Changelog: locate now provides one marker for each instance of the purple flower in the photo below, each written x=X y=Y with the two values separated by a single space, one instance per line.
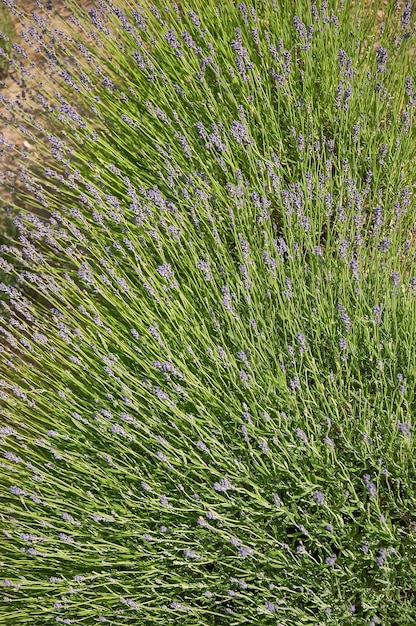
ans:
x=395 y=279
x=303 y=530
x=381 y=58
x=244 y=377
x=343 y=344
x=377 y=311
x=184 y=145
x=295 y=383
x=17 y=491
x=170 y=37
x=175 y=605
x=330 y=560
x=319 y=497
x=164 y=501
x=119 y=430
x=345 y=318
x=406 y=15
x=302 y=342
x=384 y=245
x=371 y=488
x=162 y=457
x=355 y=270
x=205 y=267
x=405 y=428
x=300 y=27
x=276 y=500
x=130 y=603
x=355 y=133
x=302 y=436
x=239 y=132
x=165 y=270
x=162 y=395
x=190 y=554
x=201 y=445
x=11 y=456
x=224 y=485
x=264 y=445
x=194 y=19
x=245 y=552
x=382 y=556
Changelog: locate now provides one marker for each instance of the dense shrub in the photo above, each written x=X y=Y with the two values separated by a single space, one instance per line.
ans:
x=207 y=336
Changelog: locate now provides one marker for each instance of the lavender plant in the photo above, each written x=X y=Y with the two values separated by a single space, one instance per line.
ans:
x=207 y=354
x=7 y=37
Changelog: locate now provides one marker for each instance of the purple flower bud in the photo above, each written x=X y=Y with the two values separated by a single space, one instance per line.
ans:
x=163 y=500
x=119 y=430
x=239 y=132
x=17 y=491
x=245 y=552
x=300 y=27
x=405 y=428
x=343 y=344
x=11 y=456
x=381 y=58
x=194 y=19
x=165 y=270
x=302 y=436
x=295 y=383
x=319 y=497
x=371 y=488
x=406 y=15
x=201 y=445
x=382 y=556
x=395 y=279
x=224 y=485
x=190 y=554
x=130 y=603
x=264 y=446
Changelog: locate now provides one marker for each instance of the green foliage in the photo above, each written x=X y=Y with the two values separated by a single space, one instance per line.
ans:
x=7 y=37
x=208 y=370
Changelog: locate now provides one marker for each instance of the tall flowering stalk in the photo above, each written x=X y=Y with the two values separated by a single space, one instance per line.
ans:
x=208 y=316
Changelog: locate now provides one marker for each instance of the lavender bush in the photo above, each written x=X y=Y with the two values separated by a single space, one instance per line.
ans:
x=207 y=337
x=6 y=39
